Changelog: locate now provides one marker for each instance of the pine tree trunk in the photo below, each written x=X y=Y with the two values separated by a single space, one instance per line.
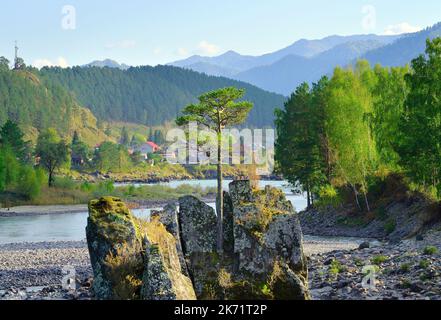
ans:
x=220 y=198
x=307 y=195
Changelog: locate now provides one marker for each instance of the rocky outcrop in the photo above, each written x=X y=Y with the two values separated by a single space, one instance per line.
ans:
x=109 y=225
x=132 y=258
x=173 y=256
x=263 y=256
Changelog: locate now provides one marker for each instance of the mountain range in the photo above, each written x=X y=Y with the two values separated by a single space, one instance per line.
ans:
x=307 y=60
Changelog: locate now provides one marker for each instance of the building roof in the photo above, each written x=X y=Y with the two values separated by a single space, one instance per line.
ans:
x=153 y=145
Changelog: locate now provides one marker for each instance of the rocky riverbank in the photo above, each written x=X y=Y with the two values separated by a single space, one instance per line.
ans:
x=408 y=270
x=394 y=220
x=34 y=271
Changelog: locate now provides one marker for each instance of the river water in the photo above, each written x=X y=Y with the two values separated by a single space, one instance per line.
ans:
x=71 y=227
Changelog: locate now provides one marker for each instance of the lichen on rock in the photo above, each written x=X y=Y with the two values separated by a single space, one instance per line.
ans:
x=132 y=258
x=173 y=256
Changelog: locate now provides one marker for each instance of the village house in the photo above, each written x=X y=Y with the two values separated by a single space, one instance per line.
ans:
x=146 y=148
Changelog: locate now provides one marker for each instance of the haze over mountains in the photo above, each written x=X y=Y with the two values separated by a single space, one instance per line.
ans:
x=307 y=60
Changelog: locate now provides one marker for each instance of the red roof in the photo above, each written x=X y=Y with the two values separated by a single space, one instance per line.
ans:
x=153 y=145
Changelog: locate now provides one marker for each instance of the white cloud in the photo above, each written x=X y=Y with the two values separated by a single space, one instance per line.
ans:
x=157 y=51
x=124 y=44
x=401 y=28
x=182 y=52
x=208 y=48
x=60 y=62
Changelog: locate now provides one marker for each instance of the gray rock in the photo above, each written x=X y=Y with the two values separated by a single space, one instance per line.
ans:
x=169 y=218
x=364 y=245
x=109 y=225
x=198 y=226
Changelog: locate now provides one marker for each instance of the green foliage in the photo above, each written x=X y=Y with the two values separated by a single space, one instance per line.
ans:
x=328 y=196
x=363 y=125
x=11 y=136
x=28 y=183
x=405 y=267
x=301 y=144
x=390 y=226
x=110 y=157
x=151 y=95
x=424 y=264
x=124 y=139
x=336 y=267
x=430 y=250
x=379 y=260
x=420 y=125
x=52 y=152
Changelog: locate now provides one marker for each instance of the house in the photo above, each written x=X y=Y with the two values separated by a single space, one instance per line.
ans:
x=146 y=148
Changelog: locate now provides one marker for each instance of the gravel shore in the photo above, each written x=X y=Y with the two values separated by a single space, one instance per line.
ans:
x=34 y=270
x=40 y=264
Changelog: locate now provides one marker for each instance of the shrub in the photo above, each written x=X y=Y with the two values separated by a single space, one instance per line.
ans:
x=424 y=264
x=390 y=226
x=64 y=183
x=28 y=183
x=405 y=267
x=430 y=250
x=336 y=267
x=379 y=260
x=328 y=197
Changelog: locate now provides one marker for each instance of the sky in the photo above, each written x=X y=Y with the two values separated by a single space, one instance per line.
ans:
x=150 y=32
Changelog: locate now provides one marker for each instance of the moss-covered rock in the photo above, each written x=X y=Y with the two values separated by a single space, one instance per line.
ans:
x=132 y=258
x=263 y=256
x=110 y=226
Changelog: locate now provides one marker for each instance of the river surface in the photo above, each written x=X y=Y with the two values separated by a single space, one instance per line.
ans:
x=71 y=226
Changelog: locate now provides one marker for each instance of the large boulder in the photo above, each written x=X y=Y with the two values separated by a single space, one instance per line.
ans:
x=198 y=226
x=110 y=225
x=162 y=277
x=133 y=258
x=268 y=240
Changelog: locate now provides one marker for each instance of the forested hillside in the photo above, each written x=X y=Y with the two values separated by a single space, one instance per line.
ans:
x=152 y=95
x=363 y=126
x=403 y=50
x=36 y=104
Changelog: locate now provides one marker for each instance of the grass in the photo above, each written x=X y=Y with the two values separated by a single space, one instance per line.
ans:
x=390 y=226
x=379 y=260
x=430 y=250
x=424 y=264
x=336 y=267
x=69 y=192
x=405 y=267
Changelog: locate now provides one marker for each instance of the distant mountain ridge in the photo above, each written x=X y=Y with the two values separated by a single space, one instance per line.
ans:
x=107 y=63
x=404 y=49
x=232 y=64
x=307 y=60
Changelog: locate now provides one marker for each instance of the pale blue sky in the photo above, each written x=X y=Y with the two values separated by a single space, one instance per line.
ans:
x=140 y=32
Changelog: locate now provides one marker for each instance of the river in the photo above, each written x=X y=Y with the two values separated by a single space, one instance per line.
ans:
x=71 y=227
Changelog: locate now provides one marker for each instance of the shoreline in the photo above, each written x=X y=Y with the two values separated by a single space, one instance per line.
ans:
x=36 y=210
